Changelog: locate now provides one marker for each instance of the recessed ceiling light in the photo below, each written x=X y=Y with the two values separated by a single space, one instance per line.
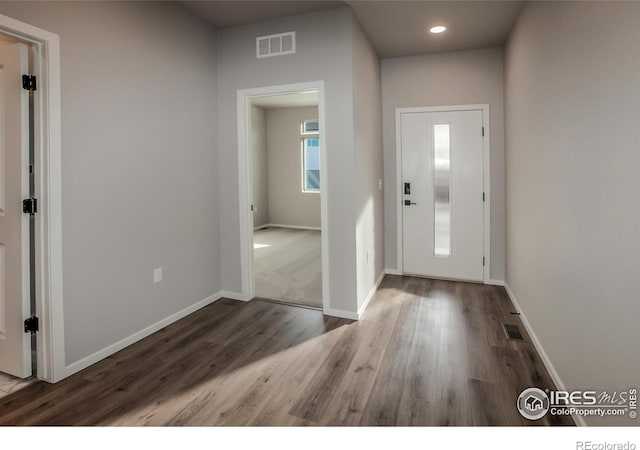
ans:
x=438 y=29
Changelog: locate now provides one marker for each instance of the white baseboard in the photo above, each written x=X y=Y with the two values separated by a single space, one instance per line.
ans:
x=135 y=337
x=356 y=315
x=579 y=420
x=260 y=227
x=295 y=227
x=235 y=296
x=491 y=282
x=341 y=313
x=370 y=295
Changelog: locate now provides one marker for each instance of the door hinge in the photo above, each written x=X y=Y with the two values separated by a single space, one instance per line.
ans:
x=483 y=260
x=30 y=206
x=483 y=197
x=31 y=325
x=29 y=83
x=482 y=131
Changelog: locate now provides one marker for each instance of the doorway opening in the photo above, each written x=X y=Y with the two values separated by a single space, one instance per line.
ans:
x=286 y=189
x=283 y=194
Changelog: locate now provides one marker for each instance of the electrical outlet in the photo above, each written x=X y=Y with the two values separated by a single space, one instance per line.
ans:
x=157 y=275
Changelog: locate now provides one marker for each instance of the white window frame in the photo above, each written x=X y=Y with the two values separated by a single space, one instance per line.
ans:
x=302 y=166
x=303 y=137
x=309 y=133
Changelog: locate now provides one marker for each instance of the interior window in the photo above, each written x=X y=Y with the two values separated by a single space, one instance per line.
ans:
x=310 y=156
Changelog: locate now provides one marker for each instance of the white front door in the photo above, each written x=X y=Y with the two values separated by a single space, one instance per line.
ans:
x=442 y=201
x=15 y=344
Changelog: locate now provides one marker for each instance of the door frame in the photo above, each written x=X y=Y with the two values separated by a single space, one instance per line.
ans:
x=486 y=178
x=245 y=187
x=45 y=48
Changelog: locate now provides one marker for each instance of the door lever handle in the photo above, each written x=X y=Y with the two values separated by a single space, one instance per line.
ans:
x=409 y=203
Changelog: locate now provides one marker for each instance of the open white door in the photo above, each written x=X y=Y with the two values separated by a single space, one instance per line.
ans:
x=15 y=344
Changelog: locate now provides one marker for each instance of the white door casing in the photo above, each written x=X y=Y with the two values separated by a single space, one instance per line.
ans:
x=245 y=188
x=15 y=344
x=443 y=147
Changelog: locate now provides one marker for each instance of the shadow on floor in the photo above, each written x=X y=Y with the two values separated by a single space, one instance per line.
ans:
x=210 y=344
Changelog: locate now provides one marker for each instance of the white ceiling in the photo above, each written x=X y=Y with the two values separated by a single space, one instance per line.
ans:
x=395 y=27
x=286 y=100
x=401 y=28
x=222 y=14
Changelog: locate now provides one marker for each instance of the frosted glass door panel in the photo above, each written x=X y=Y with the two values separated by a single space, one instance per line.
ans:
x=442 y=190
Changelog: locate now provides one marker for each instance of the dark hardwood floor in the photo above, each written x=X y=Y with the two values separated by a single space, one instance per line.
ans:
x=427 y=352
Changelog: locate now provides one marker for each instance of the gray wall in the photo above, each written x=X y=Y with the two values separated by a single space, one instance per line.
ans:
x=322 y=54
x=573 y=220
x=369 y=163
x=288 y=205
x=456 y=78
x=138 y=154
x=260 y=166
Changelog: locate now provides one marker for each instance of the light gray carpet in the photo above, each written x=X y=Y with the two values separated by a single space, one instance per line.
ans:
x=288 y=266
x=10 y=384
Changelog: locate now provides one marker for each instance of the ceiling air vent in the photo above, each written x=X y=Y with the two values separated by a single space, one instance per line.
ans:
x=276 y=44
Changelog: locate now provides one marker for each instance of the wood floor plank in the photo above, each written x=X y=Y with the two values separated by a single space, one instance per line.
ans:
x=427 y=352
x=301 y=326
x=348 y=402
x=383 y=406
x=304 y=363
